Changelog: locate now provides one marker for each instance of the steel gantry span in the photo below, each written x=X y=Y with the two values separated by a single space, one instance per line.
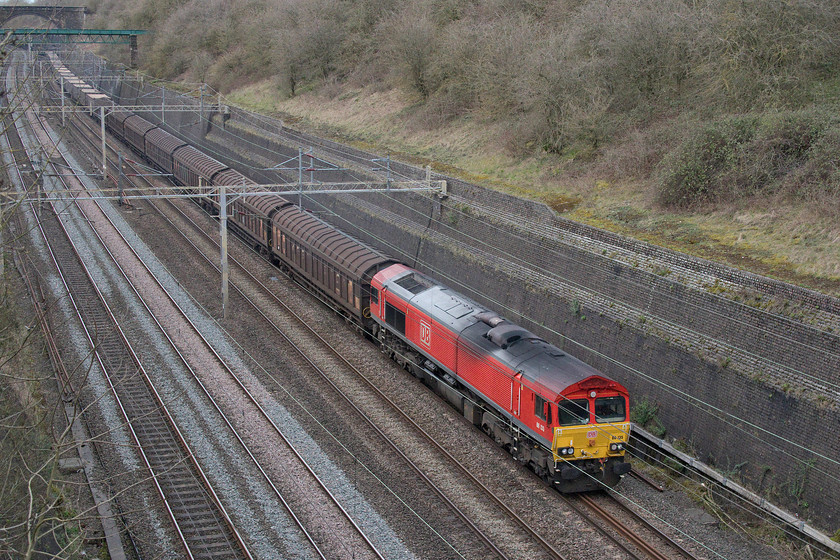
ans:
x=35 y=36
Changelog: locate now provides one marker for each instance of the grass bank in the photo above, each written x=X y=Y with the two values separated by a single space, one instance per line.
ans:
x=768 y=234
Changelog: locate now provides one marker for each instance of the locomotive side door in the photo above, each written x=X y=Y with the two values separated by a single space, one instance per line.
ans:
x=516 y=394
x=382 y=297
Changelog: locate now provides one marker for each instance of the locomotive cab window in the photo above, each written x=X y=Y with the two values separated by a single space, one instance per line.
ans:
x=609 y=409
x=395 y=318
x=374 y=296
x=542 y=409
x=573 y=413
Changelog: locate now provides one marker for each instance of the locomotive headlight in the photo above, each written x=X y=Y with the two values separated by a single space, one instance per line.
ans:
x=567 y=451
x=615 y=447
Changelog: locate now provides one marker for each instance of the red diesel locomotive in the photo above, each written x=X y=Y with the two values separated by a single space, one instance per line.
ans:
x=550 y=410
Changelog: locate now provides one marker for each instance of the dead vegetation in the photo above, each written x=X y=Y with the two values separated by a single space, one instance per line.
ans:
x=706 y=107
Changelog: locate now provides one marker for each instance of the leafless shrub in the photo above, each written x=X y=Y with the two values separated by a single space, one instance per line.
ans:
x=758 y=52
x=407 y=44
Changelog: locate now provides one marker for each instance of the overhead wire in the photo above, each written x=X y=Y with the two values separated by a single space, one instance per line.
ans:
x=523 y=315
x=555 y=332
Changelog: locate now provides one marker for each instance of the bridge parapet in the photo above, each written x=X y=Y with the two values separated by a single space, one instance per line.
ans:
x=62 y=17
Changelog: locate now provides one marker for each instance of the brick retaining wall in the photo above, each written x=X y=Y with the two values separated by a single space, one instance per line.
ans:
x=628 y=309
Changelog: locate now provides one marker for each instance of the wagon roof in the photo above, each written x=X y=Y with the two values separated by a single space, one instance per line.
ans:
x=199 y=162
x=262 y=204
x=266 y=203
x=231 y=177
x=163 y=140
x=138 y=124
x=120 y=116
x=338 y=247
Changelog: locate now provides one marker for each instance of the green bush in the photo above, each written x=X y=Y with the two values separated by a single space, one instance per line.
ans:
x=644 y=413
x=691 y=173
x=787 y=153
x=819 y=177
x=780 y=148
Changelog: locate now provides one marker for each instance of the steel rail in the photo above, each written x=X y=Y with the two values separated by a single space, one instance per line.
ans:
x=35 y=123
x=668 y=540
x=623 y=530
x=278 y=431
x=267 y=417
x=65 y=382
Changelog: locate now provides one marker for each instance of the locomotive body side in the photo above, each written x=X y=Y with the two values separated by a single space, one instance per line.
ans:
x=546 y=407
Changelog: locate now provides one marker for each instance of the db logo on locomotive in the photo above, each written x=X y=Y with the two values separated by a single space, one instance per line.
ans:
x=425 y=334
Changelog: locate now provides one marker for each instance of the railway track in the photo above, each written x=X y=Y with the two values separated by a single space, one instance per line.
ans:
x=646 y=550
x=326 y=350
x=349 y=546
x=631 y=532
x=203 y=529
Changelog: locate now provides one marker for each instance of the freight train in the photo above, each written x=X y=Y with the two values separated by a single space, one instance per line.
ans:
x=560 y=416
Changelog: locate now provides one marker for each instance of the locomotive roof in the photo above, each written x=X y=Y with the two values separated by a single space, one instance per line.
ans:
x=508 y=343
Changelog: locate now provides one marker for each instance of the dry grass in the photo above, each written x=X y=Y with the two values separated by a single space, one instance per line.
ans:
x=791 y=242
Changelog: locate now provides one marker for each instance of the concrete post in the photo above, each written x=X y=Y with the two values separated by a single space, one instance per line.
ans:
x=223 y=245
x=102 y=133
